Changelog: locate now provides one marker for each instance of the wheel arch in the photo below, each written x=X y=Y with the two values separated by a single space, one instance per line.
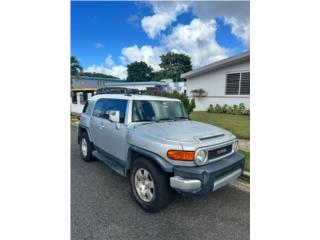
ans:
x=135 y=152
x=82 y=129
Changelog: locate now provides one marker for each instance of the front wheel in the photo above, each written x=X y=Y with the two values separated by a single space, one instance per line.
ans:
x=150 y=186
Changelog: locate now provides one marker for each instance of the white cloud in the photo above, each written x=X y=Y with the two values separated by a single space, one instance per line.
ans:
x=196 y=40
x=240 y=29
x=146 y=53
x=164 y=15
x=99 y=45
x=237 y=14
x=109 y=61
x=117 y=71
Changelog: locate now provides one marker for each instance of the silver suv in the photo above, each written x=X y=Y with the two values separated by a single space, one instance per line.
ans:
x=152 y=140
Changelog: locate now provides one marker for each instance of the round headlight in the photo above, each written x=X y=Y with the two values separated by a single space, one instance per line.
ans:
x=201 y=157
x=235 y=146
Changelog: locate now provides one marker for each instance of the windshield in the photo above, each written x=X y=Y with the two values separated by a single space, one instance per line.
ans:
x=145 y=111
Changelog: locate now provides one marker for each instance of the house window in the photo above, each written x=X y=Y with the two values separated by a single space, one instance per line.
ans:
x=238 y=83
x=245 y=83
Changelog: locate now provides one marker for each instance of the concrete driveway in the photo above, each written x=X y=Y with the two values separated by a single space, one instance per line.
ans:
x=102 y=208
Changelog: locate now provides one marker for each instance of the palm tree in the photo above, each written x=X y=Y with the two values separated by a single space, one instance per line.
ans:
x=75 y=66
x=199 y=93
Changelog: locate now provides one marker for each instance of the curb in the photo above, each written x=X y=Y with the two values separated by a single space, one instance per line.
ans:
x=246 y=176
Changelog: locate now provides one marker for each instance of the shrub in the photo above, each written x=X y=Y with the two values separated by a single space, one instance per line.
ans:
x=218 y=108
x=229 y=110
x=210 y=109
x=241 y=108
x=234 y=109
x=189 y=105
x=225 y=108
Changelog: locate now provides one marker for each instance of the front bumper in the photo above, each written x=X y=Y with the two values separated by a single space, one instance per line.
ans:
x=201 y=180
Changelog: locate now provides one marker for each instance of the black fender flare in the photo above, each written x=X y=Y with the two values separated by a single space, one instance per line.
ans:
x=84 y=128
x=164 y=165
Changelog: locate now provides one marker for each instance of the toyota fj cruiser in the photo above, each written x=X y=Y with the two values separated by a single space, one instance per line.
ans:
x=152 y=140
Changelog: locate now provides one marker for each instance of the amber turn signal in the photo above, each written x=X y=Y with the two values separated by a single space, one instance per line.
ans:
x=180 y=155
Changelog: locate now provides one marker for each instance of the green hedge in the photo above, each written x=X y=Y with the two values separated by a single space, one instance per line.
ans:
x=235 y=109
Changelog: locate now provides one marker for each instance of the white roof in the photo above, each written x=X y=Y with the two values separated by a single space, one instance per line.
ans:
x=132 y=97
x=245 y=56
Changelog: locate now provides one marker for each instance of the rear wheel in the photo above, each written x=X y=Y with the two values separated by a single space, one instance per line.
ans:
x=150 y=186
x=86 y=148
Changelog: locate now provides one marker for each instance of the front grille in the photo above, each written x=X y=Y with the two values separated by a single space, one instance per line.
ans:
x=219 y=152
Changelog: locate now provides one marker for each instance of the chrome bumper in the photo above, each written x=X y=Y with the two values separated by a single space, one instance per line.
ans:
x=194 y=185
x=185 y=185
x=226 y=179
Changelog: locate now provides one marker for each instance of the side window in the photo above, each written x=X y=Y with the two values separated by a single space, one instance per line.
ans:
x=99 y=108
x=117 y=105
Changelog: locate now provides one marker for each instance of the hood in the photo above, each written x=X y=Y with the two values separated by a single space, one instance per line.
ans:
x=182 y=131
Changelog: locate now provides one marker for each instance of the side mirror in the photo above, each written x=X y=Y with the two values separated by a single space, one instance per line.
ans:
x=114 y=116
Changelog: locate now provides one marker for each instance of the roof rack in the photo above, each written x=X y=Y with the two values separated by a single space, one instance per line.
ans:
x=117 y=90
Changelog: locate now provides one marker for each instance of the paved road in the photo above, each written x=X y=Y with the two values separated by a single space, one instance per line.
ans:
x=102 y=208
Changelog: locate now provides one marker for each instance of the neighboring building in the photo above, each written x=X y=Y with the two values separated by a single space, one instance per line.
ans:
x=91 y=82
x=225 y=82
x=83 y=88
x=180 y=87
x=152 y=86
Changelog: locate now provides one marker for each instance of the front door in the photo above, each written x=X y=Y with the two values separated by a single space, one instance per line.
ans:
x=114 y=138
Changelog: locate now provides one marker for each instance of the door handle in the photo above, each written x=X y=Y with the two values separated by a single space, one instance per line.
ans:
x=101 y=126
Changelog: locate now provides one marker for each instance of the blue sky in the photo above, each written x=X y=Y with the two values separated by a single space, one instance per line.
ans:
x=106 y=36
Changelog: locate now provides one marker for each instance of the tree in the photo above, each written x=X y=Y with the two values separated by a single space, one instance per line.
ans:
x=76 y=68
x=159 y=75
x=174 y=64
x=139 y=72
x=94 y=74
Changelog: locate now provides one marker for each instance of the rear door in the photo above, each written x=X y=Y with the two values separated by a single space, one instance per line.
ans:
x=97 y=122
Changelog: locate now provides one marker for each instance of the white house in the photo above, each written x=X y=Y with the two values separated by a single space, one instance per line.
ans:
x=224 y=82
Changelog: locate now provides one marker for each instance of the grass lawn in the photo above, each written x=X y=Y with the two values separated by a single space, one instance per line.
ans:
x=74 y=118
x=239 y=125
x=246 y=160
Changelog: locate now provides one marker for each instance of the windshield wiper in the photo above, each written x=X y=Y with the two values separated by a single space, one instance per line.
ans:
x=178 y=118
x=164 y=119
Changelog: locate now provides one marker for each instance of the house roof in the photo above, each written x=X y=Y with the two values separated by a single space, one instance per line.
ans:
x=97 y=78
x=136 y=83
x=217 y=65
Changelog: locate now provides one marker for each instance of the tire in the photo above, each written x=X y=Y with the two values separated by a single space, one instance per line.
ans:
x=162 y=193
x=86 y=155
